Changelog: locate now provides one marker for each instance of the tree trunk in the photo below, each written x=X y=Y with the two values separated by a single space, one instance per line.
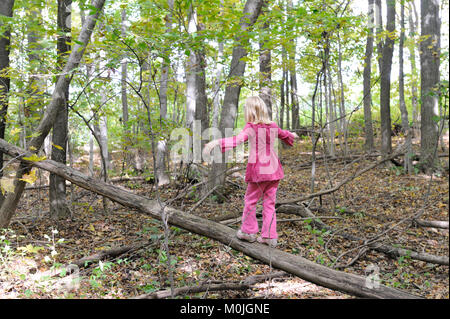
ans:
x=286 y=91
x=282 y=90
x=294 y=264
x=429 y=82
x=379 y=30
x=216 y=97
x=6 y=9
x=342 y=116
x=57 y=192
x=265 y=68
x=36 y=84
x=412 y=58
x=330 y=123
x=404 y=112
x=124 y=74
x=251 y=12
x=101 y=131
x=191 y=91
x=385 y=81
x=295 y=119
x=162 y=177
x=10 y=203
x=201 y=103
x=368 y=129
x=91 y=155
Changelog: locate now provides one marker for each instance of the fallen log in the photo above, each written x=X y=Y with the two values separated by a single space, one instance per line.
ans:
x=208 y=286
x=321 y=275
x=383 y=248
x=108 y=253
x=432 y=223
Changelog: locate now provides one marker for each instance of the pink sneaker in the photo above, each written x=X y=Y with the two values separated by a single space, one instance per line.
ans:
x=272 y=242
x=244 y=236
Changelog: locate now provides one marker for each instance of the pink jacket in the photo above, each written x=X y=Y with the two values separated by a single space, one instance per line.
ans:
x=263 y=163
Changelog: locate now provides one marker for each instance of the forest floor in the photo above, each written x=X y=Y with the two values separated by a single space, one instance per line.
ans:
x=363 y=207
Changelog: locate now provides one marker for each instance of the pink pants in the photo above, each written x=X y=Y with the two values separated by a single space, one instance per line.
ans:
x=268 y=190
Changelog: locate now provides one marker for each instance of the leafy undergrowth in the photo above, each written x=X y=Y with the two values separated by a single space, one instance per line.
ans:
x=365 y=207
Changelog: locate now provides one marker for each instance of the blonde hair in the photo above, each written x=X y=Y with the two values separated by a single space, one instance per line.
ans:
x=256 y=111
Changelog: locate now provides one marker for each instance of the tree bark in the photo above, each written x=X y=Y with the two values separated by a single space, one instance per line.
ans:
x=126 y=139
x=265 y=60
x=429 y=82
x=404 y=112
x=101 y=133
x=201 y=104
x=161 y=148
x=412 y=58
x=385 y=80
x=10 y=203
x=295 y=116
x=379 y=30
x=57 y=192
x=296 y=265
x=368 y=128
x=191 y=90
x=342 y=116
x=282 y=86
x=217 y=85
x=6 y=9
x=36 y=85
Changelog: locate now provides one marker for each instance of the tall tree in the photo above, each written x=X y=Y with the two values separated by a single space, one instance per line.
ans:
x=401 y=90
x=429 y=82
x=57 y=191
x=250 y=14
x=201 y=104
x=124 y=94
x=9 y=205
x=295 y=119
x=196 y=100
x=36 y=83
x=191 y=91
x=265 y=68
x=6 y=10
x=282 y=87
x=385 y=79
x=413 y=26
x=379 y=30
x=161 y=148
x=368 y=128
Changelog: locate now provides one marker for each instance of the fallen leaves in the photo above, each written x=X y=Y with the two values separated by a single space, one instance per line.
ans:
x=368 y=204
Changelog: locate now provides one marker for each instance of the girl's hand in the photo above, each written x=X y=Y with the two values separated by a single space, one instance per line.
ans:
x=207 y=150
x=295 y=136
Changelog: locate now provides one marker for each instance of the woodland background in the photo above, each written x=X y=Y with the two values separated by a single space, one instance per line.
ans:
x=90 y=92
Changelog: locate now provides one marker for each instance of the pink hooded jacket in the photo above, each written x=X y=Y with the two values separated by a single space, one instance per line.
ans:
x=263 y=163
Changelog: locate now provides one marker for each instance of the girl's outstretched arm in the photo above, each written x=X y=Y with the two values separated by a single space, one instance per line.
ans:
x=286 y=136
x=231 y=142
x=227 y=143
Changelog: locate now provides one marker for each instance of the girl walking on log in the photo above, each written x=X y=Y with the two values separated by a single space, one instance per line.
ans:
x=264 y=170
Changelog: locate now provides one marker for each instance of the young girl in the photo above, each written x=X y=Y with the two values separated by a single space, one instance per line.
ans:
x=263 y=172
